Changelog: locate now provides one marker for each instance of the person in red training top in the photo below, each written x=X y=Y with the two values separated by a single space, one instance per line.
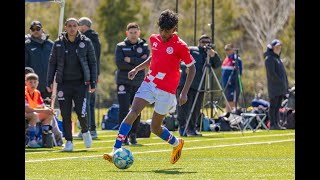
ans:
x=35 y=109
x=160 y=84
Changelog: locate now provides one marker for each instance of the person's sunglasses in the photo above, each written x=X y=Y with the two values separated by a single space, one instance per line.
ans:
x=35 y=29
x=227 y=49
x=205 y=42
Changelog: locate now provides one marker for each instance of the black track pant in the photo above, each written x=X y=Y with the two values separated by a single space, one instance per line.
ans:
x=74 y=91
x=125 y=97
x=184 y=110
x=91 y=101
x=274 y=115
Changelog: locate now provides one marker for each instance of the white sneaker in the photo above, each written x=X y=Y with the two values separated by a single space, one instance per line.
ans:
x=33 y=144
x=94 y=134
x=87 y=139
x=68 y=146
x=79 y=135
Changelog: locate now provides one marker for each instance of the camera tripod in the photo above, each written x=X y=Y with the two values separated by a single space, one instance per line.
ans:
x=207 y=69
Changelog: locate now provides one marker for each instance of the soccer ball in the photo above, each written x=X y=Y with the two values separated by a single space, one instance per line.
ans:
x=122 y=158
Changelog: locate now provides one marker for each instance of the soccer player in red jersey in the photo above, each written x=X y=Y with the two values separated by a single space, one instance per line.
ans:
x=160 y=84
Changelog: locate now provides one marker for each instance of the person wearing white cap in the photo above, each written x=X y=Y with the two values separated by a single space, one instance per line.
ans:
x=277 y=82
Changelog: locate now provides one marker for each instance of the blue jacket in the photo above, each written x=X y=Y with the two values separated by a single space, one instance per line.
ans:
x=37 y=52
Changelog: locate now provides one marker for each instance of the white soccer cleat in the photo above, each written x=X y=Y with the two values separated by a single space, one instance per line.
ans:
x=87 y=139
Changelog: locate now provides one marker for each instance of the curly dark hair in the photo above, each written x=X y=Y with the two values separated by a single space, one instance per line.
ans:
x=168 y=19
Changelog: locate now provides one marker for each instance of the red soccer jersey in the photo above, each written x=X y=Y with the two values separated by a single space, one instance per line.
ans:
x=164 y=71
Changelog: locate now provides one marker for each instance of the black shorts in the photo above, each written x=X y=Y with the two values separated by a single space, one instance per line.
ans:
x=229 y=92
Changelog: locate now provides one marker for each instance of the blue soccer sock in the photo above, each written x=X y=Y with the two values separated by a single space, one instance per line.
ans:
x=31 y=132
x=123 y=132
x=170 y=138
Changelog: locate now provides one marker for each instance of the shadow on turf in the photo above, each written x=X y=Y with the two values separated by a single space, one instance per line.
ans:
x=165 y=171
x=39 y=149
x=207 y=136
x=172 y=171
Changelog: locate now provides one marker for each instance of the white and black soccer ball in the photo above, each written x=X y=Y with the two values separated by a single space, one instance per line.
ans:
x=122 y=158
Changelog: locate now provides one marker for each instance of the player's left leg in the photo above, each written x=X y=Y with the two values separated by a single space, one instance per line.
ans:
x=125 y=127
x=164 y=102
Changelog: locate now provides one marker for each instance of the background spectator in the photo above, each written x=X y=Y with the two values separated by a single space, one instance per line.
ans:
x=131 y=52
x=199 y=53
x=37 y=51
x=76 y=75
x=85 y=28
x=35 y=109
x=277 y=81
x=229 y=76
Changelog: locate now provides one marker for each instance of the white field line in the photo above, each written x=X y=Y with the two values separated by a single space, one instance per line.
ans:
x=167 y=150
x=271 y=135
x=153 y=144
x=106 y=133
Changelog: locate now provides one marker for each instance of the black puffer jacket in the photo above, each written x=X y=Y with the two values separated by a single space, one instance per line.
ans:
x=276 y=74
x=134 y=51
x=94 y=37
x=86 y=56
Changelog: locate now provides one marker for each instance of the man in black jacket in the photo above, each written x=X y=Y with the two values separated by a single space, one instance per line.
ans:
x=74 y=64
x=277 y=81
x=199 y=53
x=130 y=53
x=85 y=28
x=37 y=51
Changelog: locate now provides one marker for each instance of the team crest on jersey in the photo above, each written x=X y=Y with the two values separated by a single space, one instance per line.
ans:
x=121 y=88
x=60 y=94
x=155 y=44
x=81 y=45
x=139 y=50
x=169 y=50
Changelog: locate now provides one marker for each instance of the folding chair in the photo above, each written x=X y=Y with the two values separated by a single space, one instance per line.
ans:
x=248 y=117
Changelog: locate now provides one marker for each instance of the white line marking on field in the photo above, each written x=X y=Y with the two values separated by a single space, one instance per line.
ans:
x=244 y=137
x=167 y=150
x=106 y=133
x=153 y=144
x=102 y=133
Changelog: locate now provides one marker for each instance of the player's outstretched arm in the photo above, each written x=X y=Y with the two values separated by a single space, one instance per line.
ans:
x=140 y=67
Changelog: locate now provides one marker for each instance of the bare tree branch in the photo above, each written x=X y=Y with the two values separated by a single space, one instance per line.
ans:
x=264 y=19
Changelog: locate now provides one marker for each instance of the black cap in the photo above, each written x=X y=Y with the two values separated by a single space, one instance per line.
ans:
x=204 y=36
x=35 y=23
x=28 y=70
